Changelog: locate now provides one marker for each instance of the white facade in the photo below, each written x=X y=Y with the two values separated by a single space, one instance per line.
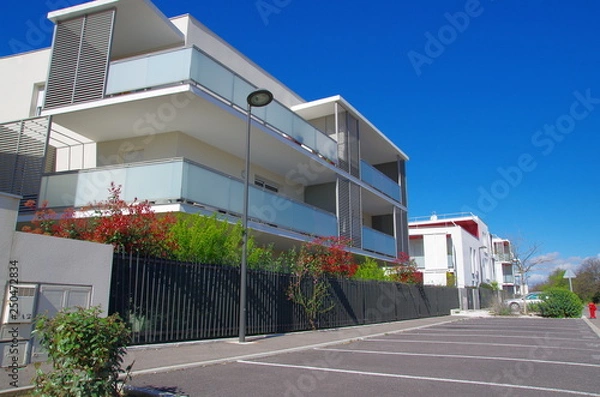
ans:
x=453 y=247
x=158 y=105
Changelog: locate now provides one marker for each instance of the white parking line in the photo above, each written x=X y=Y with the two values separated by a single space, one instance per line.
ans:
x=570 y=363
x=473 y=344
x=489 y=336
x=425 y=378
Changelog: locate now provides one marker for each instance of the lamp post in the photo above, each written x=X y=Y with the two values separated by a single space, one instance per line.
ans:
x=258 y=98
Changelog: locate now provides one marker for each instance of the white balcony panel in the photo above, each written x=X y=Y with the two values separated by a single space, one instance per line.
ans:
x=379 y=242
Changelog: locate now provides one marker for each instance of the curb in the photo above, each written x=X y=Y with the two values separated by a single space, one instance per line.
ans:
x=147 y=392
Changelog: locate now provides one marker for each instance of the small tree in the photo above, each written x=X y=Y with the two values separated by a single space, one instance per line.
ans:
x=86 y=352
x=405 y=270
x=587 y=281
x=309 y=287
x=525 y=260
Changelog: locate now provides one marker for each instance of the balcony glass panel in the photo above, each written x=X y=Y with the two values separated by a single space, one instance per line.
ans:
x=170 y=181
x=149 y=71
x=450 y=262
x=509 y=279
x=420 y=261
x=190 y=64
x=379 y=181
x=271 y=208
x=376 y=241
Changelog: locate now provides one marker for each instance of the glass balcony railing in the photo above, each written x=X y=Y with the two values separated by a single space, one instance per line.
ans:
x=503 y=257
x=192 y=65
x=419 y=260
x=177 y=180
x=379 y=242
x=379 y=181
x=508 y=279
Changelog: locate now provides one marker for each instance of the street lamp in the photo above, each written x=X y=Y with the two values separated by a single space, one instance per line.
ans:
x=258 y=98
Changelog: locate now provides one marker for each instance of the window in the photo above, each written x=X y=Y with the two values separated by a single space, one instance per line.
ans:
x=265 y=184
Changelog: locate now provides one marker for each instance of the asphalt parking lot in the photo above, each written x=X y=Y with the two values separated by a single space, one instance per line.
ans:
x=470 y=357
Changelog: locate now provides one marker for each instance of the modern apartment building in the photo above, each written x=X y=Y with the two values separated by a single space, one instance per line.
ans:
x=158 y=105
x=504 y=258
x=453 y=250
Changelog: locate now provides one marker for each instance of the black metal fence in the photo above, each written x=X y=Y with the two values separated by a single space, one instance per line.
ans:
x=168 y=301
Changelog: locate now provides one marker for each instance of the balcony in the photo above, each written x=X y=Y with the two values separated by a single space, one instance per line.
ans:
x=508 y=279
x=503 y=257
x=379 y=181
x=179 y=180
x=378 y=242
x=190 y=65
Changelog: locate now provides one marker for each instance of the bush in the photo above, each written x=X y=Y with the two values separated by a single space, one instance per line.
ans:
x=86 y=352
x=370 y=270
x=561 y=303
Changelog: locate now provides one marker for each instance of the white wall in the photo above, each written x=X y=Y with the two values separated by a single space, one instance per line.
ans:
x=8 y=217
x=18 y=76
x=200 y=36
x=54 y=260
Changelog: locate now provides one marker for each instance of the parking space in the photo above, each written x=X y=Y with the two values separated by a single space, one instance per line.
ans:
x=481 y=356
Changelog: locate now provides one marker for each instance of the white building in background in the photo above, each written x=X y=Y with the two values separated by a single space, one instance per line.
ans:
x=158 y=105
x=453 y=250
x=504 y=259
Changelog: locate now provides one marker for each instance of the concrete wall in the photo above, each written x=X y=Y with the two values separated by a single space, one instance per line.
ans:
x=19 y=76
x=75 y=269
x=54 y=260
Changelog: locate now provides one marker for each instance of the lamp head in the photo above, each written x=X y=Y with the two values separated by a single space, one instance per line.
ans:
x=259 y=98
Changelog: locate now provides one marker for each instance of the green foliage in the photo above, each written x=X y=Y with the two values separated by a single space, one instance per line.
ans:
x=495 y=286
x=86 y=352
x=587 y=281
x=561 y=303
x=555 y=280
x=370 y=270
x=486 y=286
x=450 y=279
x=206 y=239
x=534 y=307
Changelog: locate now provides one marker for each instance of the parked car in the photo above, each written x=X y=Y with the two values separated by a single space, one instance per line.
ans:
x=517 y=304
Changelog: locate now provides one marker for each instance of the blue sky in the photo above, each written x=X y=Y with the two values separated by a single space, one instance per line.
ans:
x=497 y=103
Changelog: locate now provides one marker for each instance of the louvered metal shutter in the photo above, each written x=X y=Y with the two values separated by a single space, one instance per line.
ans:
x=80 y=56
x=22 y=156
x=349 y=212
x=401 y=223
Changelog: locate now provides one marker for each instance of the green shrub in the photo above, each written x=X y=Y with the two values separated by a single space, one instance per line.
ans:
x=370 y=270
x=561 y=303
x=209 y=240
x=86 y=352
